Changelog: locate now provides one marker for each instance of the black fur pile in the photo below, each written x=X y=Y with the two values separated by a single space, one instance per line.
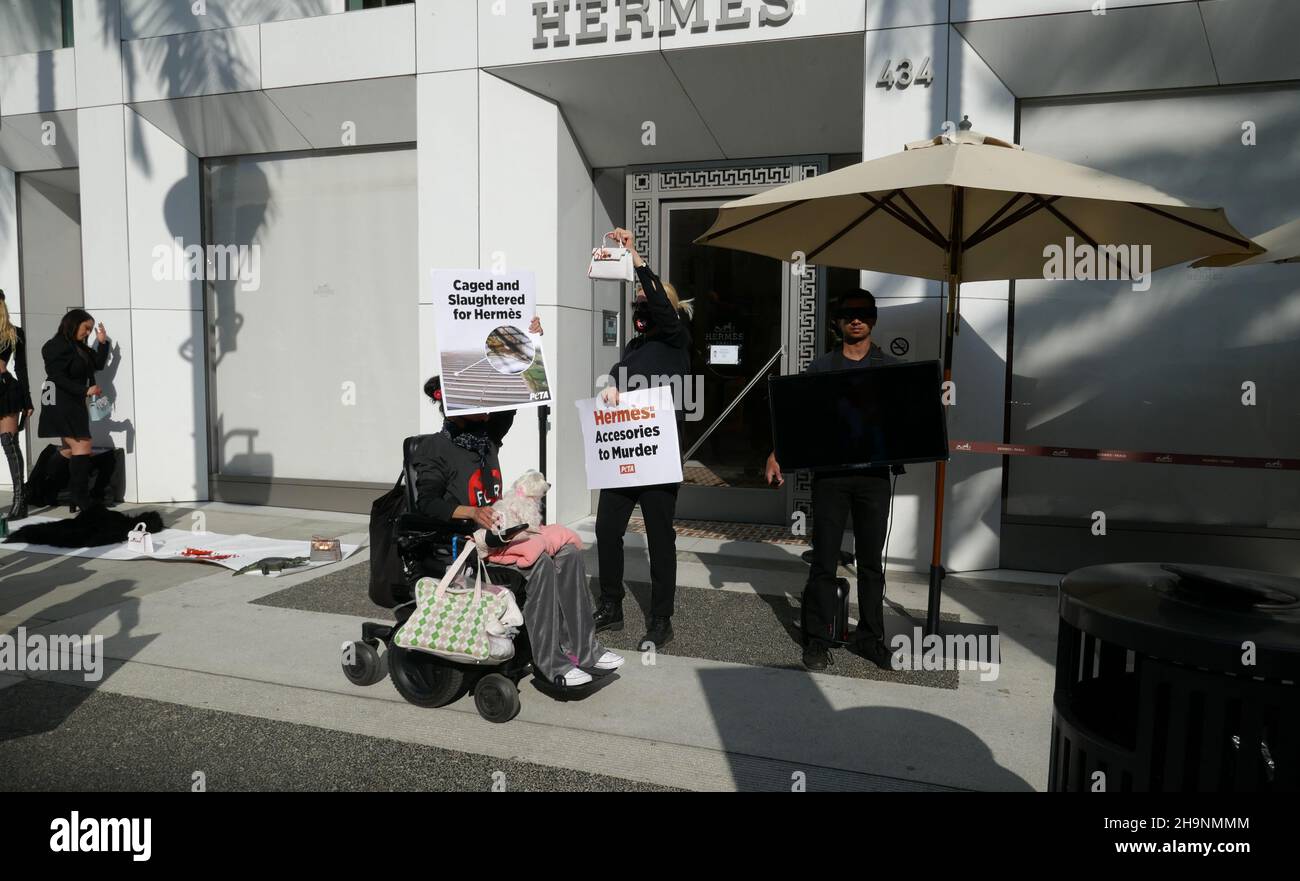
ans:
x=92 y=528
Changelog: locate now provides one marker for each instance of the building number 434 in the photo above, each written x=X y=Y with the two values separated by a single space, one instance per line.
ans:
x=904 y=74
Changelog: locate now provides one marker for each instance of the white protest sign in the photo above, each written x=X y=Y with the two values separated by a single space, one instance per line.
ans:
x=633 y=443
x=489 y=361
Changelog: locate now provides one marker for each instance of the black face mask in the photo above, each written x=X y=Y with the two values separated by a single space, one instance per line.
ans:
x=641 y=318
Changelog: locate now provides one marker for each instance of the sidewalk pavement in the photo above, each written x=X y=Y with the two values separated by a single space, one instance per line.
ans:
x=202 y=677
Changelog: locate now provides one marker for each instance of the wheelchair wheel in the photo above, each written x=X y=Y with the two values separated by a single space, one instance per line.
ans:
x=423 y=679
x=496 y=698
x=368 y=665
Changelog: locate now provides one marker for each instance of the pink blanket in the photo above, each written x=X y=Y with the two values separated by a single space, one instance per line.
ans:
x=524 y=551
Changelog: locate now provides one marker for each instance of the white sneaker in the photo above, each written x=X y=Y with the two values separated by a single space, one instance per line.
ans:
x=574 y=678
x=609 y=661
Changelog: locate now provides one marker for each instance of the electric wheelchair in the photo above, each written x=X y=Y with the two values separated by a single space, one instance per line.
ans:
x=426 y=549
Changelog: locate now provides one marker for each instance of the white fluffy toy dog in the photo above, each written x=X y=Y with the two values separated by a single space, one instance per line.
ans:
x=522 y=504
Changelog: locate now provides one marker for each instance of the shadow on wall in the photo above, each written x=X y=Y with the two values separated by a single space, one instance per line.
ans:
x=209 y=64
x=246 y=462
x=102 y=432
x=185 y=66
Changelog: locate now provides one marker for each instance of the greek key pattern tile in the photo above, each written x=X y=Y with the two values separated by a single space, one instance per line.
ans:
x=805 y=349
x=737 y=176
x=641 y=225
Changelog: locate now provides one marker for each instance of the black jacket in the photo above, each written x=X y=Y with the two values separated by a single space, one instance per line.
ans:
x=15 y=389
x=655 y=358
x=448 y=476
x=70 y=367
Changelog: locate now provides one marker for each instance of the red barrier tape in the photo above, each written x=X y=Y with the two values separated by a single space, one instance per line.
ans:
x=1123 y=456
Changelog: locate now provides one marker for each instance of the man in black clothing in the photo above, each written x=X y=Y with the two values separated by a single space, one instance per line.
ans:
x=660 y=354
x=863 y=493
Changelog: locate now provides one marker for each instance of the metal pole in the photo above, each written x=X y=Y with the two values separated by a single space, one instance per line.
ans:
x=740 y=397
x=543 y=424
x=941 y=468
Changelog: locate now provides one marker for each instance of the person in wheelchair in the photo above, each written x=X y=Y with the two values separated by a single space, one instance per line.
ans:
x=457 y=478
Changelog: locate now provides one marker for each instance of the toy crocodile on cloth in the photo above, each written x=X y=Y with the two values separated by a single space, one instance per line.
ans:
x=274 y=564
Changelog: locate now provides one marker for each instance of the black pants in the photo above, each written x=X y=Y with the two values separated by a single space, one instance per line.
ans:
x=658 y=506
x=834 y=499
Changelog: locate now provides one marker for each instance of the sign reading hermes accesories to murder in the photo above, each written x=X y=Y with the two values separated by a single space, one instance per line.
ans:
x=488 y=359
x=633 y=443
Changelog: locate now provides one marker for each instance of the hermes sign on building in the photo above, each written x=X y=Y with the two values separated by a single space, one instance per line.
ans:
x=562 y=23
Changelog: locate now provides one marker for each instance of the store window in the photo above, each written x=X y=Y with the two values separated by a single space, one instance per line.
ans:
x=354 y=5
x=313 y=352
x=1103 y=365
x=35 y=26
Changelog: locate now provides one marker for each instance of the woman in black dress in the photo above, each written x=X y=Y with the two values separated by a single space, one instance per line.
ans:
x=15 y=405
x=70 y=367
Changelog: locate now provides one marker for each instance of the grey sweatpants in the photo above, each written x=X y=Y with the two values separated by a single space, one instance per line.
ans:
x=558 y=614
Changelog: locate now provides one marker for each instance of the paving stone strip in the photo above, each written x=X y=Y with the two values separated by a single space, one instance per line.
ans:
x=710 y=624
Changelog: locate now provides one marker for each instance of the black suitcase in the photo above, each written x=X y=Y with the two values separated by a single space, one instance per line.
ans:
x=840 y=625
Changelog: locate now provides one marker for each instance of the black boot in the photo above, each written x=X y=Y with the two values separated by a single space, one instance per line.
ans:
x=14 y=456
x=608 y=616
x=658 y=633
x=817 y=655
x=78 y=483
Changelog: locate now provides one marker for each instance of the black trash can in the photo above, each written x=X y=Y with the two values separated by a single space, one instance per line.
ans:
x=1173 y=678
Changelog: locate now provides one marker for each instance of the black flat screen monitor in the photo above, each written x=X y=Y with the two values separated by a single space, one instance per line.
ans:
x=859 y=418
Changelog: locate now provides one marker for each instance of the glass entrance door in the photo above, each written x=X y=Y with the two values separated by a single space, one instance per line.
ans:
x=738 y=329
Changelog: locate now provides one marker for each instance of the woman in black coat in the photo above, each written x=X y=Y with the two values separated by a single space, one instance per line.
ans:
x=15 y=405
x=70 y=367
x=660 y=354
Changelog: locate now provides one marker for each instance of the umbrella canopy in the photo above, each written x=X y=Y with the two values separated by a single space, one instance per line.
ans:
x=968 y=207
x=1281 y=245
x=1006 y=205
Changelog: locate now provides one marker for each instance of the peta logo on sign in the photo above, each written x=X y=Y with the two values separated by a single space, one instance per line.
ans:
x=627 y=469
x=582 y=22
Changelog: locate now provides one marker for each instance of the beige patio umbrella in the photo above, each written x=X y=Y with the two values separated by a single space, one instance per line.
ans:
x=1281 y=245
x=969 y=207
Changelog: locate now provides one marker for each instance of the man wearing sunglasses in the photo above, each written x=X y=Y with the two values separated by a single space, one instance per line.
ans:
x=862 y=493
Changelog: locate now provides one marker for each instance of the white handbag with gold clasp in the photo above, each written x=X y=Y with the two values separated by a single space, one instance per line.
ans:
x=611 y=264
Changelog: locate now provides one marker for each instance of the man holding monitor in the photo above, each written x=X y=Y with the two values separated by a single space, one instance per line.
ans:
x=862 y=492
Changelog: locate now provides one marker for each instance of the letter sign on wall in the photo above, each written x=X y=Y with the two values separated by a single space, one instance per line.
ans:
x=565 y=22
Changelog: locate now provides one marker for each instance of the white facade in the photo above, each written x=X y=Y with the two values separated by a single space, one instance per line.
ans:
x=524 y=133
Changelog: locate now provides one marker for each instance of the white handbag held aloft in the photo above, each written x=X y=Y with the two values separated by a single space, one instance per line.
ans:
x=139 y=540
x=611 y=264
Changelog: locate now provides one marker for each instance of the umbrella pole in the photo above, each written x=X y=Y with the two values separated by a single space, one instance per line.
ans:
x=941 y=467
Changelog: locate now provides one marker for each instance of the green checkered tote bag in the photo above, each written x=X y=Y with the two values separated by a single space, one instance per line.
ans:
x=448 y=621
